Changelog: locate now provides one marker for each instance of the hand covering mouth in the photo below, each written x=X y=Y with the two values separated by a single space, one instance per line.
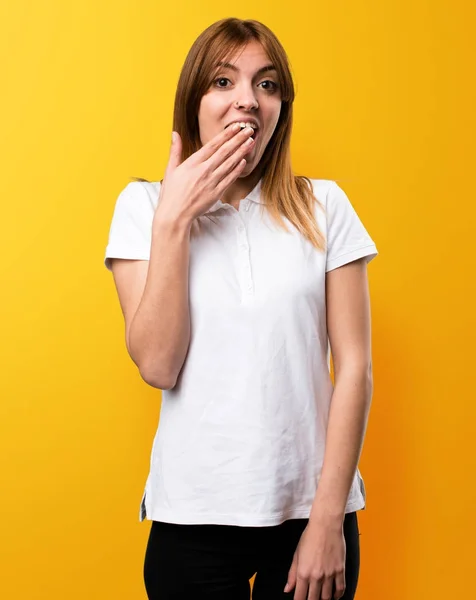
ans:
x=244 y=124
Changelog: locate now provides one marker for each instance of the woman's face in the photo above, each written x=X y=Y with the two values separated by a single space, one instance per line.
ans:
x=243 y=94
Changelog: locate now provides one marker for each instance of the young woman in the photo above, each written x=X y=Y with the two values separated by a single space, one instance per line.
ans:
x=236 y=278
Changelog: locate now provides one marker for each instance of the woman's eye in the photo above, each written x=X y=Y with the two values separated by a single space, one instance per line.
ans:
x=221 y=79
x=274 y=85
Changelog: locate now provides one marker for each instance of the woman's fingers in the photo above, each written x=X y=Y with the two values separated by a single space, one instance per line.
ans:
x=339 y=586
x=175 y=155
x=222 y=170
x=230 y=149
x=218 y=149
x=230 y=176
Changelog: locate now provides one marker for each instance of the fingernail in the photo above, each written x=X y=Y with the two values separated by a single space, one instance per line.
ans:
x=173 y=137
x=286 y=587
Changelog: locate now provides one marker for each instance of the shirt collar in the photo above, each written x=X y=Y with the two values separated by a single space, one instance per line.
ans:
x=254 y=196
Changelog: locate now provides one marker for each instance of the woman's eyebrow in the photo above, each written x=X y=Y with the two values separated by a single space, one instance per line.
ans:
x=264 y=69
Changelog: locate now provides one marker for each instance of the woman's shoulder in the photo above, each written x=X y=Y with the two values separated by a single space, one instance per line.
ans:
x=328 y=191
x=143 y=192
x=320 y=186
x=321 y=189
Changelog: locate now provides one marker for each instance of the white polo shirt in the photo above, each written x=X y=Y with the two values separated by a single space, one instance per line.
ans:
x=241 y=437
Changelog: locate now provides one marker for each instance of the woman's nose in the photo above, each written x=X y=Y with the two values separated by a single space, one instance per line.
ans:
x=246 y=100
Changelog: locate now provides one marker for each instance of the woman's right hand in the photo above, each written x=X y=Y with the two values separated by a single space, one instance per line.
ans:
x=191 y=187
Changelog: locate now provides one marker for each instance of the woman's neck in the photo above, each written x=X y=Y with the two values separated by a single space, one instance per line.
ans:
x=240 y=188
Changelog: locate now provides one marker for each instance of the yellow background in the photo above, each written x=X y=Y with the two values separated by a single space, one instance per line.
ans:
x=385 y=105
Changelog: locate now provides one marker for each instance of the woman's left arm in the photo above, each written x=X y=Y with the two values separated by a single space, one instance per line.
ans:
x=349 y=331
x=319 y=558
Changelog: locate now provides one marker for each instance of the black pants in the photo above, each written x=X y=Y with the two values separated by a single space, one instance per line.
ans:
x=216 y=562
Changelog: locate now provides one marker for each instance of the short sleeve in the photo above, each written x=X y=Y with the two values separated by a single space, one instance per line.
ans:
x=130 y=233
x=347 y=238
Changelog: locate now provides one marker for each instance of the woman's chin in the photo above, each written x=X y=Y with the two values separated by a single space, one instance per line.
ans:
x=250 y=162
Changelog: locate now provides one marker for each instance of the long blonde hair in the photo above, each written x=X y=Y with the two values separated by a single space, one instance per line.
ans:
x=283 y=193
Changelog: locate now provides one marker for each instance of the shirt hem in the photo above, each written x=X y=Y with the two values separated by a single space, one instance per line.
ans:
x=243 y=520
x=128 y=253
x=370 y=250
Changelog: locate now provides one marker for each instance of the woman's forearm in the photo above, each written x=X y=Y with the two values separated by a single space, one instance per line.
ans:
x=160 y=331
x=347 y=424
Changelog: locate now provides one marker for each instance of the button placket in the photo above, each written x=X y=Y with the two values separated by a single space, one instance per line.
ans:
x=244 y=258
